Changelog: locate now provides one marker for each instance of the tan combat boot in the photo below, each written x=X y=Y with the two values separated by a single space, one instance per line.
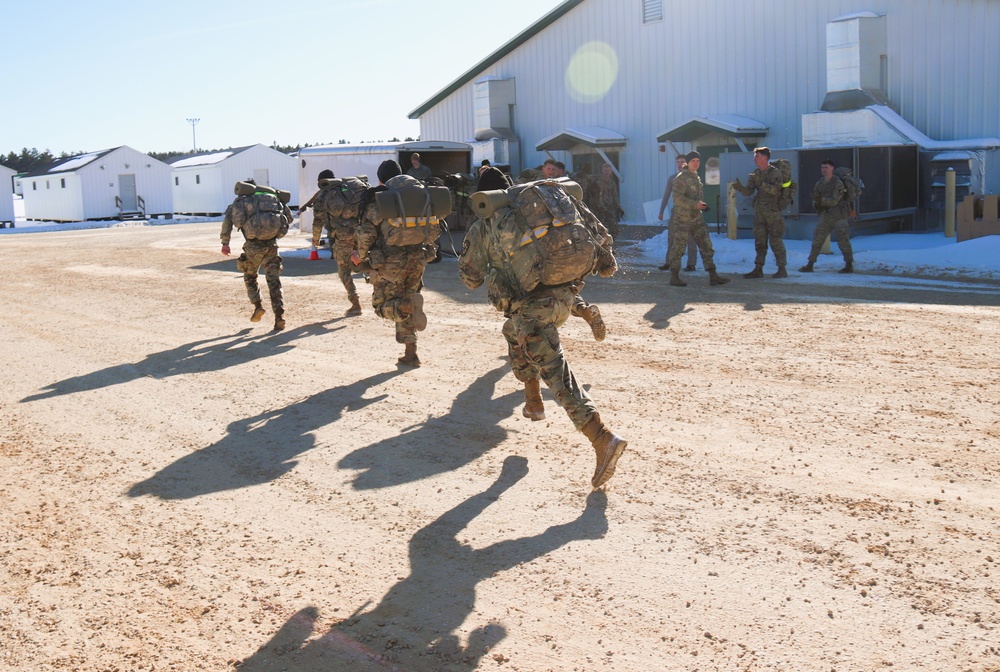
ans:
x=716 y=279
x=757 y=272
x=533 y=409
x=675 y=278
x=592 y=316
x=409 y=357
x=355 y=308
x=808 y=268
x=258 y=312
x=279 y=321
x=782 y=273
x=607 y=445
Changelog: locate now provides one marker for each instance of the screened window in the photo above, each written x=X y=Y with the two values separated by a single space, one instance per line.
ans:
x=62 y=182
x=197 y=179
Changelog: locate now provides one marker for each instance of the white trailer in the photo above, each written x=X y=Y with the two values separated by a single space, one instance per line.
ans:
x=442 y=158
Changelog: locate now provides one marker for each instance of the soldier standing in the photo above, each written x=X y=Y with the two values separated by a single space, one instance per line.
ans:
x=262 y=218
x=606 y=199
x=689 y=222
x=531 y=329
x=419 y=170
x=396 y=272
x=765 y=184
x=831 y=202
x=692 y=247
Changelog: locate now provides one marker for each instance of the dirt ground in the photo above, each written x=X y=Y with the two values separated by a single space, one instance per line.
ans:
x=810 y=482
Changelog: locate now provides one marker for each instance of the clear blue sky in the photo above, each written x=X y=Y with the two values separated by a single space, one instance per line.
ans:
x=85 y=76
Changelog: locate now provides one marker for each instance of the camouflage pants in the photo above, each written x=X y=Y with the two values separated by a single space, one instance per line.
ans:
x=823 y=229
x=393 y=283
x=535 y=351
x=769 y=228
x=695 y=229
x=318 y=227
x=609 y=218
x=343 y=245
x=692 y=247
x=257 y=254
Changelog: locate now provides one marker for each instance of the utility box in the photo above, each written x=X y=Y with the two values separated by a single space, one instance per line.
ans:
x=977 y=216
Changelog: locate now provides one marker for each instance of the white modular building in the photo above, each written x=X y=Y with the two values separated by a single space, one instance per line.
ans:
x=636 y=83
x=7 y=195
x=203 y=183
x=119 y=183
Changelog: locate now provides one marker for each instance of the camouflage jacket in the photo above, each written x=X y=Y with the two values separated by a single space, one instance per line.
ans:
x=829 y=198
x=687 y=191
x=371 y=246
x=421 y=172
x=765 y=186
x=239 y=213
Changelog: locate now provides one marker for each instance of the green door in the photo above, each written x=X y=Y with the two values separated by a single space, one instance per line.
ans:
x=710 y=176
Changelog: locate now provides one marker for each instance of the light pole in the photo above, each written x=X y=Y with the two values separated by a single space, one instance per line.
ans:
x=194 y=144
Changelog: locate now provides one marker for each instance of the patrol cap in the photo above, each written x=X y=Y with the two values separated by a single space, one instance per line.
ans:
x=692 y=155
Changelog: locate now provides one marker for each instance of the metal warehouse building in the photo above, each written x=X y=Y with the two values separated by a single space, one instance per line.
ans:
x=634 y=83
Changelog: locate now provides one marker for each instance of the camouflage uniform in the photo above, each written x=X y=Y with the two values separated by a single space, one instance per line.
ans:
x=687 y=221
x=256 y=253
x=320 y=217
x=397 y=273
x=530 y=175
x=343 y=239
x=829 y=197
x=605 y=202
x=533 y=319
x=768 y=226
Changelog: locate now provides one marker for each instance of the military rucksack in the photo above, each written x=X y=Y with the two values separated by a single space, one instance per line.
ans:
x=853 y=186
x=549 y=241
x=789 y=187
x=268 y=219
x=411 y=211
x=343 y=199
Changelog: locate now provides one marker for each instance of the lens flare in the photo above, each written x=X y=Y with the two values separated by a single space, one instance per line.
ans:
x=591 y=72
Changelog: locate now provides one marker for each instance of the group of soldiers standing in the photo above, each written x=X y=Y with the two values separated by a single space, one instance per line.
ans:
x=771 y=193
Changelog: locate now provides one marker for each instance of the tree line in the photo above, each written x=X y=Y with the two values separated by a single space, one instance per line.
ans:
x=28 y=160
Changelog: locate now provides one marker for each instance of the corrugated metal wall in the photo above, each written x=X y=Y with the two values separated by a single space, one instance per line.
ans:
x=763 y=59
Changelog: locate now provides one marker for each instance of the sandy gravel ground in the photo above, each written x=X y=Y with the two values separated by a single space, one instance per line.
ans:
x=810 y=484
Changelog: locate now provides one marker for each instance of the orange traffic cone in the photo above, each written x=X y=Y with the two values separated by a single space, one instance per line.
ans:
x=314 y=254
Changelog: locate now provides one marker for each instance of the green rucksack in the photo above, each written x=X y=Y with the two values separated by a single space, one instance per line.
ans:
x=268 y=219
x=411 y=211
x=789 y=187
x=853 y=186
x=343 y=200
x=548 y=239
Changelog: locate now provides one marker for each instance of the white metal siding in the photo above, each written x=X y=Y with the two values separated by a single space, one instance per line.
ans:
x=99 y=180
x=6 y=194
x=763 y=59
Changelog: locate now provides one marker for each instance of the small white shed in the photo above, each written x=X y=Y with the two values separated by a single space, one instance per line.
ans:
x=6 y=196
x=203 y=183
x=119 y=183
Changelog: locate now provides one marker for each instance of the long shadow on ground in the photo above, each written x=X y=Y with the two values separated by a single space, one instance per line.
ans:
x=414 y=627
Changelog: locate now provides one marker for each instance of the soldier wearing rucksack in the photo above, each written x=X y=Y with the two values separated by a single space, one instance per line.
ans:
x=399 y=223
x=321 y=220
x=766 y=185
x=261 y=214
x=533 y=244
x=341 y=204
x=833 y=201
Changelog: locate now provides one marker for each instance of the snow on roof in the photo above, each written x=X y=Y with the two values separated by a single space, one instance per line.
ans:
x=202 y=159
x=74 y=163
x=907 y=129
x=855 y=15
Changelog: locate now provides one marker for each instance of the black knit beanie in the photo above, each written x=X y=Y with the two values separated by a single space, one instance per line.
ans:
x=325 y=174
x=387 y=170
x=492 y=178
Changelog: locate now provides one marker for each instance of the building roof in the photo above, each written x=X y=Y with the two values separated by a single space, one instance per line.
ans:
x=517 y=41
x=592 y=136
x=205 y=158
x=727 y=124
x=70 y=164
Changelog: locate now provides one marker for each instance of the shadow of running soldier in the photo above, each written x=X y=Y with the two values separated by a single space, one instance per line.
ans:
x=413 y=628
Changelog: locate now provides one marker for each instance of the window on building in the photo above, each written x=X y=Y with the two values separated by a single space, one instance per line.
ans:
x=47 y=185
x=62 y=182
x=34 y=186
x=177 y=180
x=197 y=179
x=652 y=10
